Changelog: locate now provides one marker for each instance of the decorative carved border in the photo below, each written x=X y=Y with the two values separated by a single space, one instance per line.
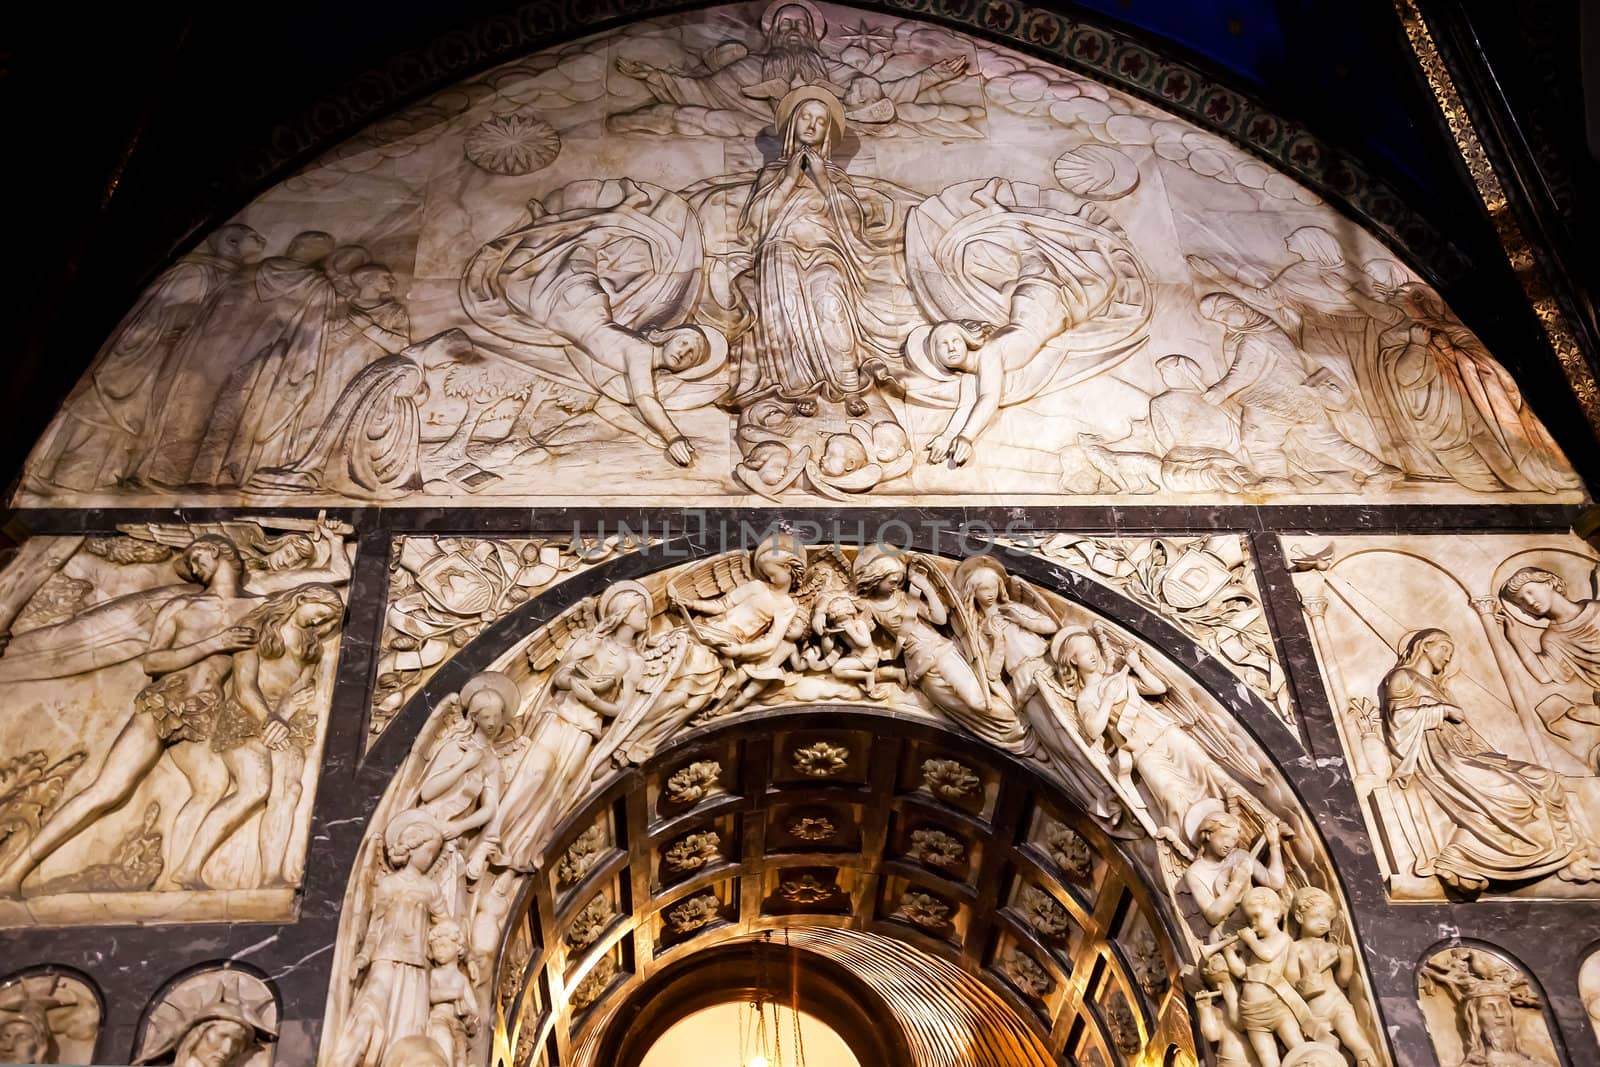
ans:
x=1535 y=284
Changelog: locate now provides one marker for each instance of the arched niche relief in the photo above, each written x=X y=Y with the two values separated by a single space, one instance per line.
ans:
x=1589 y=991
x=48 y=1014
x=924 y=752
x=1481 y=1008
x=220 y=1016
x=1461 y=678
x=579 y=268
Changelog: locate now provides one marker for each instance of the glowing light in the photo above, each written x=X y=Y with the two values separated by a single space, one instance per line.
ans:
x=758 y=1060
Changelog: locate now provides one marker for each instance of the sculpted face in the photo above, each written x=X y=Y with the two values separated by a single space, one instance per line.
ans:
x=1536 y=598
x=948 y=346
x=811 y=123
x=487 y=712
x=244 y=247
x=312 y=615
x=986 y=589
x=219 y=1043
x=1439 y=651
x=1316 y=919
x=1084 y=654
x=683 y=350
x=792 y=26
x=203 y=563
x=1223 y=837
x=21 y=1043
x=636 y=611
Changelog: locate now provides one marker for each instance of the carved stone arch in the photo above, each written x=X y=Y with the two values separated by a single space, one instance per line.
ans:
x=515 y=941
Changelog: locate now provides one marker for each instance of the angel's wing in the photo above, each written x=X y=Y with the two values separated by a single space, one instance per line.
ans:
x=1215 y=740
x=962 y=622
x=552 y=639
x=1025 y=594
x=712 y=578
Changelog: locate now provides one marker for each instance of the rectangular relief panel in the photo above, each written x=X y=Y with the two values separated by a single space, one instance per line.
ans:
x=167 y=697
x=1463 y=674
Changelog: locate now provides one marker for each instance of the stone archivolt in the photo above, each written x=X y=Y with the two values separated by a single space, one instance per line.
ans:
x=641 y=667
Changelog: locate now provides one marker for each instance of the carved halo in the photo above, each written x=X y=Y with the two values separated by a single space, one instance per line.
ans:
x=919 y=357
x=500 y=684
x=973 y=564
x=796 y=97
x=609 y=597
x=1198 y=814
x=716 y=355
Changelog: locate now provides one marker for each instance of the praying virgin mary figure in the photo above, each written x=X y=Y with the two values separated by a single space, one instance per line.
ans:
x=823 y=322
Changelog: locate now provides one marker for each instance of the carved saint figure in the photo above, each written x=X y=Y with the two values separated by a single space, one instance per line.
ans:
x=1569 y=651
x=749 y=627
x=1113 y=708
x=102 y=430
x=1489 y=993
x=463 y=782
x=907 y=603
x=1286 y=402
x=599 y=270
x=1030 y=295
x=818 y=330
x=392 y=962
x=45 y=1017
x=1224 y=872
x=189 y=661
x=1504 y=820
x=596 y=681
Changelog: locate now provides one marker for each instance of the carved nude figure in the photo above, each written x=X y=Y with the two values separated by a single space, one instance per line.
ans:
x=1322 y=972
x=1505 y=820
x=189 y=661
x=266 y=730
x=1270 y=1010
x=453 y=1007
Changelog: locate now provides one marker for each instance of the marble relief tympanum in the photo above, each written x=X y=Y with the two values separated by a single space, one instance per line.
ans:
x=1152 y=758
x=1462 y=671
x=168 y=693
x=783 y=251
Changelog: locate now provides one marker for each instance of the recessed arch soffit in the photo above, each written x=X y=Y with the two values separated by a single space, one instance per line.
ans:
x=587 y=271
x=725 y=825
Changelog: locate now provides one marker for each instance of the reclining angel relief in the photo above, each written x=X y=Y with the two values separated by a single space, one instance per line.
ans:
x=169 y=689
x=772 y=254
x=1152 y=758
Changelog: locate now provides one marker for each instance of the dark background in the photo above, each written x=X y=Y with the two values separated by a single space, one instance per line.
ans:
x=134 y=129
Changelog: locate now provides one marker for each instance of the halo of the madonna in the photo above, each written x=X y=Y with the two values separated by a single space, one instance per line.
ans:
x=792 y=254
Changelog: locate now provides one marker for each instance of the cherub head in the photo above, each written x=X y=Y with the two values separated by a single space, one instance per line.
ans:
x=1263 y=908
x=1314 y=910
x=1220 y=833
x=446 y=945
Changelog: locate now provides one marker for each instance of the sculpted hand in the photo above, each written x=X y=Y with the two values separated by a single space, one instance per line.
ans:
x=953 y=66
x=632 y=68
x=680 y=451
x=961 y=451
x=275 y=735
x=237 y=638
x=363 y=961
x=939 y=449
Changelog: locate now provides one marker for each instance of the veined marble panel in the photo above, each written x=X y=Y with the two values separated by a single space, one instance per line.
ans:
x=790 y=251
x=167 y=695
x=1463 y=673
